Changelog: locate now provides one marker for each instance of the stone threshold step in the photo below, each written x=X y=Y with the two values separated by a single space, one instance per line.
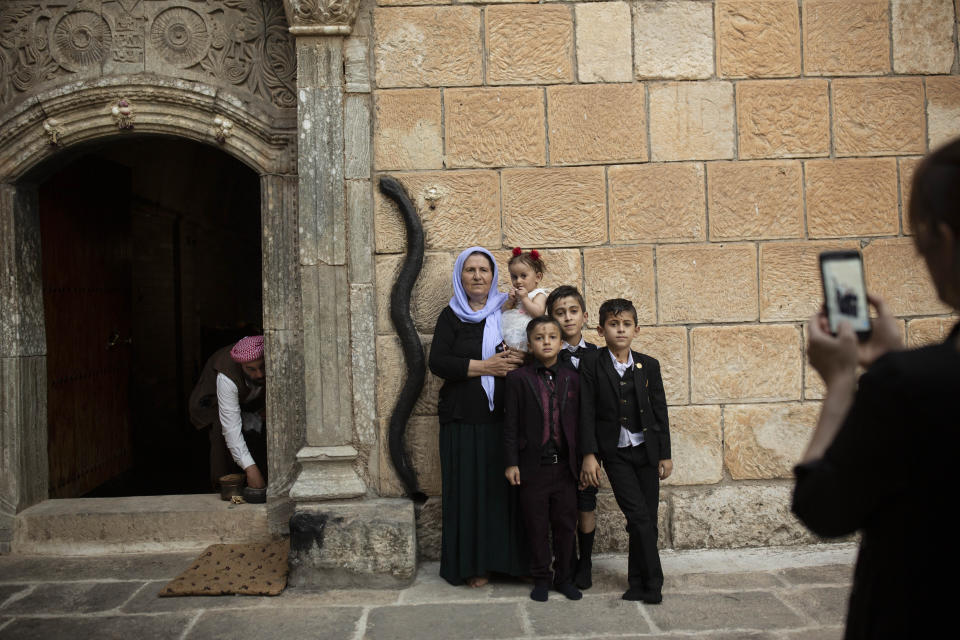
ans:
x=137 y=524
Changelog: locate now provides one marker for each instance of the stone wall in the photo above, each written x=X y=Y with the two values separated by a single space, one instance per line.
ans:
x=692 y=155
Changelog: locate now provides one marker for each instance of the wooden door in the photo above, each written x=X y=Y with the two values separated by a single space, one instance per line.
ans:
x=85 y=244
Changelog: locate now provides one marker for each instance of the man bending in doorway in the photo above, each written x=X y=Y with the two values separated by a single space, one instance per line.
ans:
x=230 y=400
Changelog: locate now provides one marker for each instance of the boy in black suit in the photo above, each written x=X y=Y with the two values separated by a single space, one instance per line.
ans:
x=540 y=440
x=623 y=422
x=567 y=307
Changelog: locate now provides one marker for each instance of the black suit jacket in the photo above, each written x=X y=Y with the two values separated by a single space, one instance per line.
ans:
x=566 y=355
x=523 y=422
x=599 y=405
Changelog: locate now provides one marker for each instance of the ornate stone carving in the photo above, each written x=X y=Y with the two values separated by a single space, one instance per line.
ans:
x=181 y=36
x=319 y=17
x=240 y=43
x=222 y=128
x=52 y=128
x=81 y=40
x=123 y=114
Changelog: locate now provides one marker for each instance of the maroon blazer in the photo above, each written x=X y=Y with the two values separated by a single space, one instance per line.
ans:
x=523 y=422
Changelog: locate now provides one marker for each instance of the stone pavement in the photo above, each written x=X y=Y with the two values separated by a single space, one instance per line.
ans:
x=787 y=593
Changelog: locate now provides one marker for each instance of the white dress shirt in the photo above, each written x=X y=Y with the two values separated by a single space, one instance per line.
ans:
x=234 y=421
x=627 y=437
x=574 y=360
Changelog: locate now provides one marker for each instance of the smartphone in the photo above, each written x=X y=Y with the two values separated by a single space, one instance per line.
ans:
x=845 y=291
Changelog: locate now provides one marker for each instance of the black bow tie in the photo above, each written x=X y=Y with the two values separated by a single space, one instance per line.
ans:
x=575 y=353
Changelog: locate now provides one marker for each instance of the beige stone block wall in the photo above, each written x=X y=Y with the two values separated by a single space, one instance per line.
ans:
x=695 y=156
x=758 y=38
x=528 y=44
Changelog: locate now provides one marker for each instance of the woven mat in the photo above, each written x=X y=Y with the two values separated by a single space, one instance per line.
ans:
x=222 y=569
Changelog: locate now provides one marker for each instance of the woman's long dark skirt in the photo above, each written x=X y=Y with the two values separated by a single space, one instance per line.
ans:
x=481 y=521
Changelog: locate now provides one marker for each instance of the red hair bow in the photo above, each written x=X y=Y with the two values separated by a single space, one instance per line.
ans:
x=517 y=251
x=534 y=254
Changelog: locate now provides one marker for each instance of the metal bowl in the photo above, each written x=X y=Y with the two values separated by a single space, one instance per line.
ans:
x=231 y=485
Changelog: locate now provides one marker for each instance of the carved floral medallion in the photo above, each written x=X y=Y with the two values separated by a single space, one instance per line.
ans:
x=240 y=43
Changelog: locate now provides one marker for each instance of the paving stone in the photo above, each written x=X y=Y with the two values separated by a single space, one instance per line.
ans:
x=704 y=581
x=295 y=597
x=449 y=621
x=826 y=605
x=824 y=574
x=147 y=601
x=8 y=590
x=737 y=610
x=329 y=622
x=126 y=567
x=99 y=628
x=588 y=617
x=820 y=633
x=73 y=597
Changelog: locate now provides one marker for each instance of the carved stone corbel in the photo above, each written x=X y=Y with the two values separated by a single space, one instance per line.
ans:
x=321 y=17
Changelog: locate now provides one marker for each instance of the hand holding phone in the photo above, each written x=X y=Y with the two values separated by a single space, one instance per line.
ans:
x=845 y=291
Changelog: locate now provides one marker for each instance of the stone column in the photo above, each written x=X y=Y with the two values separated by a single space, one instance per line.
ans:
x=355 y=540
x=23 y=362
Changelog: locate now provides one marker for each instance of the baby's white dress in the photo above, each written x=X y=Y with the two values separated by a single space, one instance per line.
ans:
x=513 y=323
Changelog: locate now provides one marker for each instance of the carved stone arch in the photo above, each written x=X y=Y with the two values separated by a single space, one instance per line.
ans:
x=261 y=137
x=36 y=130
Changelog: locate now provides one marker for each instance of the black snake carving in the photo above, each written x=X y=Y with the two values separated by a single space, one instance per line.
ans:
x=409 y=340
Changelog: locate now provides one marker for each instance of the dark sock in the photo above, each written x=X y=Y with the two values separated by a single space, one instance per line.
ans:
x=584 y=577
x=570 y=591
x=540 y=593
x=634 y=593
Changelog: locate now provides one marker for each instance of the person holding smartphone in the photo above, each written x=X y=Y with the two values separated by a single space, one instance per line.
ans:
x=882 y=456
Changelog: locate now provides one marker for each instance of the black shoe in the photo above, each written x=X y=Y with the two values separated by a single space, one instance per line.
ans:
x=653 y=596
x=540 y=593
x=634 y=593
x=569 y=591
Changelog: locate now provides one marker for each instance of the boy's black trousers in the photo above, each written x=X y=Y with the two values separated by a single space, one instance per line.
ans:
x=548 y=503
x=636 y=487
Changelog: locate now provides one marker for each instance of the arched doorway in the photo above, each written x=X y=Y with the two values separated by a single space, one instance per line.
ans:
x=151 y=260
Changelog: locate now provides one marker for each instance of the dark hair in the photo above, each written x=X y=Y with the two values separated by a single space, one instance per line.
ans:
x=615 y=307
x=539 y=320
x=935 y=194
x=564 y=291
x=531 y=258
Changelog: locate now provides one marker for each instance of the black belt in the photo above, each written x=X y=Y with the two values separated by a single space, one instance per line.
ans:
x=551 y=459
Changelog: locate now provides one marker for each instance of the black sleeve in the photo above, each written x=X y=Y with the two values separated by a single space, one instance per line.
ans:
x=835 y=496
x=511 y=422
x=588 y=417
x=658 y=402
x=443 y=362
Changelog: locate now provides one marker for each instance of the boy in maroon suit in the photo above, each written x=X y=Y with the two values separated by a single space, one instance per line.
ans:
x=542 y=406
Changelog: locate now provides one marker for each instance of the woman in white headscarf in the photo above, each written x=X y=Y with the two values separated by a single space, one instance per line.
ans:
x=480 y=523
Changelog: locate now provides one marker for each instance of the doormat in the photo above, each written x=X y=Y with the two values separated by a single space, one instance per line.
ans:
x=228 y=569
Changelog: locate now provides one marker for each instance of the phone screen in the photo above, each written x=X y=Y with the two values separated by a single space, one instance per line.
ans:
x=845 y=290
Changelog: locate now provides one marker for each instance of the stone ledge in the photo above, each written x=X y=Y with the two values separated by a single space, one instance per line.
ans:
x=140 y=524
x=368 y=544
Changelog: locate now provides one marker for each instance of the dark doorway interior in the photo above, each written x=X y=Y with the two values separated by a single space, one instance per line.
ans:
x=151 y=262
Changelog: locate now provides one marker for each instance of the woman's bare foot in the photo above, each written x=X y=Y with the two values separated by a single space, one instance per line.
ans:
x=477 y=581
